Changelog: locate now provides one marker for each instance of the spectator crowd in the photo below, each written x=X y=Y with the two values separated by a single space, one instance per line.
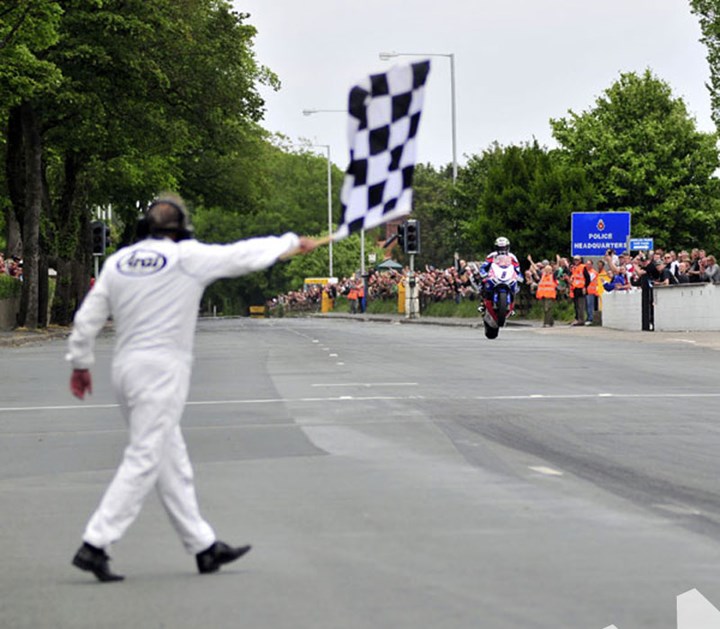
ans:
x=583 y=281
x=11 y=267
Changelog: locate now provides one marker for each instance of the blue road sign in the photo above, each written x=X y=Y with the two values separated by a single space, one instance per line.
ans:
x=593 y=233
x=642 y=244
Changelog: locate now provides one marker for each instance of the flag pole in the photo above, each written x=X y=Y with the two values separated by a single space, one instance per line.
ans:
x=325 y=240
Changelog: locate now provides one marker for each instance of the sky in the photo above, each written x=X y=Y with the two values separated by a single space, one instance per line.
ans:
x=518 y=63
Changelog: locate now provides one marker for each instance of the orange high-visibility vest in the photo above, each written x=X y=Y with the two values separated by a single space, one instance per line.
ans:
x=578 y=276
x=593 y=285
x=547 y=288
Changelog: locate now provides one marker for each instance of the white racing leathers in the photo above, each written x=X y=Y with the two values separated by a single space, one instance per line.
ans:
x=152 y=290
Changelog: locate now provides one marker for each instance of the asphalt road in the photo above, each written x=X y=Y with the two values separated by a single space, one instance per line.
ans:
x=389 y=476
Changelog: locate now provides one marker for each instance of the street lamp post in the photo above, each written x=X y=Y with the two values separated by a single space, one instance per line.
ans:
x=329 y=206
x=310 y=112
x=389 y=55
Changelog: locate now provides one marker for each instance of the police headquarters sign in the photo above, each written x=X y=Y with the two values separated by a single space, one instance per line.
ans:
x=593 y=233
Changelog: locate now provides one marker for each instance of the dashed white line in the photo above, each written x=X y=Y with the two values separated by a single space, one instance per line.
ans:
x=678 y=509
x=546 y=471
x=365 y=384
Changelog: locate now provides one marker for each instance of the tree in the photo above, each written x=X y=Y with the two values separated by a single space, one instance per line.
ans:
x=525 y=193
x=440 y=216
x=27 y=31
x=708 y=12
x=642 y=152
x=288 y=193
x=148 y=94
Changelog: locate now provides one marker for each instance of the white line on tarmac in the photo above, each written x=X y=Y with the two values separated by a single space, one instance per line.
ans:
x=534 y=397
x=587 y=396
x=365 y=384
x=678 y=509
x=76 y=407
x=547 y=471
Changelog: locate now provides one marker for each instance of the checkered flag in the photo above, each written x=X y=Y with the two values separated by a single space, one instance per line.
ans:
x=384 y=118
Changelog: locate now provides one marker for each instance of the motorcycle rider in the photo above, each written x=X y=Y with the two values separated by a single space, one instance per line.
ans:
x=502 y=247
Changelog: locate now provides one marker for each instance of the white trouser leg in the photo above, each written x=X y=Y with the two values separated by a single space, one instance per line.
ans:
x=152 y=397
x=176 y=490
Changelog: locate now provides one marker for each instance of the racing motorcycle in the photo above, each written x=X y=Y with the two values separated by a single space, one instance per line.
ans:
x=498 y=291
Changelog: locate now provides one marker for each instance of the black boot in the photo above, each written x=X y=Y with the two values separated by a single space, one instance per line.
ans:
x=210 y=559
x=95 y=560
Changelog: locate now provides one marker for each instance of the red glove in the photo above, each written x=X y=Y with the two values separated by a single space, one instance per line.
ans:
x=80 y=383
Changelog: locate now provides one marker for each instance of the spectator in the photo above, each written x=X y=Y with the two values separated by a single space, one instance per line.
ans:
x=547 y=294
x=712 y=271
x=668 y=277
x=562 y=273
x=3 y=268
x=610 y=253
x=671 y=262
x=353 y=296
x=695 y=271
x=591 y=293
x=619 y=281
x=580 y=278
x=14 y=268
x=682 y=274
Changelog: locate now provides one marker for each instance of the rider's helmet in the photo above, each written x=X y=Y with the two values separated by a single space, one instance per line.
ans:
x=502 y=245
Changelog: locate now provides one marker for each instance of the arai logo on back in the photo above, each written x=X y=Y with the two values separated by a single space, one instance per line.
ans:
x=141 y=262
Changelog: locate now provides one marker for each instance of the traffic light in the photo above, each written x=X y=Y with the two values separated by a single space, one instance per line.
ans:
x=99 y=238
x=411 y=241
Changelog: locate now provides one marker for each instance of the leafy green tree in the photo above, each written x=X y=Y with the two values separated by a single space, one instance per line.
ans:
x=642 y=152
x=289 y=193
x=525 y=193
x=150 y=94
x=708 y=12
x=27 y=31
x=439 y=214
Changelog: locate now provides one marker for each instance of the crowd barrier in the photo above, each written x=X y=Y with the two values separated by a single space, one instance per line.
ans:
x=683 y=307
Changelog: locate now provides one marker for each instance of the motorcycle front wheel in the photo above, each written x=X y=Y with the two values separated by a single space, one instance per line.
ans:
x=490 y=331
x=501 y=308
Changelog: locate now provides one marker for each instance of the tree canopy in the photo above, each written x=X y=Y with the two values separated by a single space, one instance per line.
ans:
x=642 y=152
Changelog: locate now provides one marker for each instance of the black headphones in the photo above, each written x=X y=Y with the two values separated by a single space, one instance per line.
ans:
x=182 y=230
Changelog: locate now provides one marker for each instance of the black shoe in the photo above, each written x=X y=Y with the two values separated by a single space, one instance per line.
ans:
x=219 y=553
x=95 y=560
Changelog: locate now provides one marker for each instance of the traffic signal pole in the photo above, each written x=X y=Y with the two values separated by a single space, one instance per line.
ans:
x=411 y=245
x=412 y=310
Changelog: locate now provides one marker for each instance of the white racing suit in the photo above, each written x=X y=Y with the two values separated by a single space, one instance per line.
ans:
x=153 y=289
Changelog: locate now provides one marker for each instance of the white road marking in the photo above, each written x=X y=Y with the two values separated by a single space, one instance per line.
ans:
x=497 y=398
x=70 y=407
x=547 y=471
x=586 y=396
x=333 y=355
x=365 y=384
x=678 y=509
